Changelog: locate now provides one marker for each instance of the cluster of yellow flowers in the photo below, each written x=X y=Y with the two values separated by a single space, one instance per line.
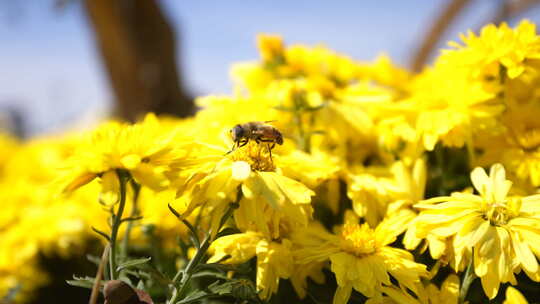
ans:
x=370 y=182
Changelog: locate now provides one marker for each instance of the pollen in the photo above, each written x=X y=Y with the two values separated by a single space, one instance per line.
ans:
x=258 y=156
x=497 y=214
x=529 y=139
x=358 y=240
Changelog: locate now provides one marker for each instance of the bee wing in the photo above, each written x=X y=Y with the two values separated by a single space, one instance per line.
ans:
x=258 y=132
x=268 y=121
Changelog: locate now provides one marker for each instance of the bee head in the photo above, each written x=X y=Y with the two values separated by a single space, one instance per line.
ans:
x=279 y=139
x=237 y=132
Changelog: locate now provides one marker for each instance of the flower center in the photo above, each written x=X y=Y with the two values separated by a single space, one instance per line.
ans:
x=529 y=139
x=258 y=156
x=497 y=214
x=358 y=239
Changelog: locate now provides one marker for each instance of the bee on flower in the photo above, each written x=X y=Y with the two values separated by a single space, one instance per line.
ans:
x=269 y=206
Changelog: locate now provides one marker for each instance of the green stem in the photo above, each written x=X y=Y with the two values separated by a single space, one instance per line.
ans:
x=467 y=280
x=183 y=277
x=134 y=212
x=297 y=118
x=117 y=220
x=302 y=135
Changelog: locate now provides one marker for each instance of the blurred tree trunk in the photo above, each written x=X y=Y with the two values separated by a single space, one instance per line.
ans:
x=442 y=21
x=137 y=45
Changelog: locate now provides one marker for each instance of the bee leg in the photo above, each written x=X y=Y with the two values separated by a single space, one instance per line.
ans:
x=243 y=143
x=270 y=152
x=232 y=149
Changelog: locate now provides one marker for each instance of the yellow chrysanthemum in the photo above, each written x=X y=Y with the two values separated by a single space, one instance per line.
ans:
x=9 y=147
x=428 y=294
x=152 y=155
x=274 y=258
x=317 y=91
x=463 y=94
x=267 y=197
x=376 y=192
x=30 y=201
x=270 y=47
x=500 y=232
x=516 y=146
x=512 y=48
x=360 y=257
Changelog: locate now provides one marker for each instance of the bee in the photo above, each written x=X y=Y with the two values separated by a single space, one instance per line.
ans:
x=258 y=131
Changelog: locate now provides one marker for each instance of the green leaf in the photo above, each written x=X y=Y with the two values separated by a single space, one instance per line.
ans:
x=194 y=234
x=103 y=234
x=283 y=108
x=221 y=289
x=131 y=219
x=194 y=297
x=141 y=285
x=316 y=108
x=132 y=263
x=208 y=273
x=215 y=267
x=84 y=282
x=243 y=289
x=94 y=259
x=227 y=231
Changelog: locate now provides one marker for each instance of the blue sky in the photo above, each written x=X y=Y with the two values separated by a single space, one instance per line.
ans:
x=51 y=71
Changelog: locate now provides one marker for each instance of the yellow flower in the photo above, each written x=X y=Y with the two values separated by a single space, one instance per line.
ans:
x=452 y=108
x=151 y=155
x=464 y=94
x=360 y=256
x=500 y=232
x=9 y=147
x=303 y=271
x=267 y=199
x=511 y=48
x=513 y=296
x=377 y=192
x=428 y=294
x=30 y=200
x=274 y=258
x=271 y=47
x=319 y=91
x=517 y=145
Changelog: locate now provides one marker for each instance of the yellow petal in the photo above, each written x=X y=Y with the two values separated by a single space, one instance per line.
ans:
x=295 y=191
x=480 y=233
x=513 y=296
x=480 y=180
x=342 y=295
x=79 y=181
x=150 y=176
x=490 y=284
x=258 y=187
x=130 y=161
x=110 y=188
x=524 y=253
x=450 y=289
